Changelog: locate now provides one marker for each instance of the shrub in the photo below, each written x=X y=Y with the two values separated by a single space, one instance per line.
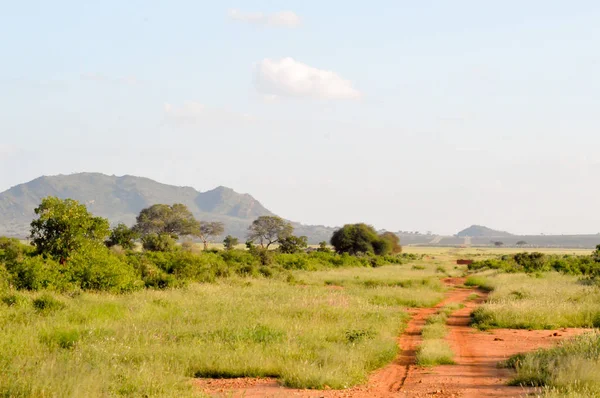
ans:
x=158 y=243
x=35 y=273
x=102 y=270
x=47 y=303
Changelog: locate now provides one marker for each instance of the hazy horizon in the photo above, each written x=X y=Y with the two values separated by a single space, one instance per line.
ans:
x=429 y=116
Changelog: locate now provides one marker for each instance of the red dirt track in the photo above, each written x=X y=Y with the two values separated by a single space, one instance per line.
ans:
x=475 y=373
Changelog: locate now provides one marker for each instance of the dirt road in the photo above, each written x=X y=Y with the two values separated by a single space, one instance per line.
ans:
x=475 y=373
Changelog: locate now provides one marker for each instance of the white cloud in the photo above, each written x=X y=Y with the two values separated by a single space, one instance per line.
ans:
x=195 y=113
x=287 y=19
x=287 y=77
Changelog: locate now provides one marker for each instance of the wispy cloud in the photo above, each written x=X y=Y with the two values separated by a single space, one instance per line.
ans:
x=286 y=19
x=288 y=77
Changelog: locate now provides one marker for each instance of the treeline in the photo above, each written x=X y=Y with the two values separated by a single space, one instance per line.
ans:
x=538 y=262
x=73 y=250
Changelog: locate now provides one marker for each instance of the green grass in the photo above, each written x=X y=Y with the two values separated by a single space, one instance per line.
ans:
x=546 y=301
x=571 y=369
x=152 y=342
x=435 y=352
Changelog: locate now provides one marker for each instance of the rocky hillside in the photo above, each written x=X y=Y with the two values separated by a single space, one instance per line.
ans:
x=120 y=199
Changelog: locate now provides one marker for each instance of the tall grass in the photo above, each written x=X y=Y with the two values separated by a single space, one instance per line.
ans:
x=434 y=350
x=571 y=369
x=544 y=301
x=152 y=342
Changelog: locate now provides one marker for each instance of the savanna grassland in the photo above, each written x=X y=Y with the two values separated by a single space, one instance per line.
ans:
x=304 y=330
x=89 y=320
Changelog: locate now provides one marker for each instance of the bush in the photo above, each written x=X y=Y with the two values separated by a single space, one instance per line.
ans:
x=158 y=243
x=47 y=303
x=539 y=262
x=102 y=270
x=36 y=273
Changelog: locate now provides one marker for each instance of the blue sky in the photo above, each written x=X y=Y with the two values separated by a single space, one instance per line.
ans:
x=427 y=115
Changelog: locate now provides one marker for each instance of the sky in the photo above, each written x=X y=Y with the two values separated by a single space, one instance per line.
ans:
x=408 y=115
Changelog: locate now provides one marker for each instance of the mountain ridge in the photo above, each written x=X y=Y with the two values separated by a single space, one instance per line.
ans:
x=121 y=198
x=482 y=231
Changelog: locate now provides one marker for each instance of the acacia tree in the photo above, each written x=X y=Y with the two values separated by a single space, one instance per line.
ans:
x=355 y=239
x=293 y=244
x=208 y=230
x=268 y=230
x=64 y=226
x=160 y=225
x=230 y=242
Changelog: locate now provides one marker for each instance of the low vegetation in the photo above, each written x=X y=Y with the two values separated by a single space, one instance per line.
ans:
x=434 y=350
x=537 y=301
x=571 y=369
x=303 y=330
x=588 y=266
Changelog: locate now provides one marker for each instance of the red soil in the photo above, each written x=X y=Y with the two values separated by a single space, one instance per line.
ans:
x=475 y=373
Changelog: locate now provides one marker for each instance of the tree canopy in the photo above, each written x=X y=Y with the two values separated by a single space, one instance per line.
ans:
x=230 y=242
x=268 y=230
x=160 y=219
x=123 y=236
x=293 y=244
x=64 y=226
x=393 y=242
x=354 y=239
x=362 y=238
x=208 y=230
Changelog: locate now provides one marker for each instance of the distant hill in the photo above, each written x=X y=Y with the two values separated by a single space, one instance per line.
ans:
x=481 y=231
x=120 y=199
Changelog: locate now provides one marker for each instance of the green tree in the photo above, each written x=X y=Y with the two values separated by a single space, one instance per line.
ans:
x=268 y=230
x=293 y=244
x=521 y=243
x=208 y=230
x=355 y=239
x=175 y=220
x=393 y=242
x=161 y=225
x=230 y=242
x=596 y=254
x=323 y=247
x=123 y=236
x=64 y=227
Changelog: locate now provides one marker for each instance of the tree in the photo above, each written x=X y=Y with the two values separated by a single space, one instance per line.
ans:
x=323 y=247
x=64 y=227
x=123 y=236
x=208 y=230
x=394 y=242
x=355 y=239
x=230 y=242
x=175 y=220
x=521 y=243
x=498 y=244
x=268 y=230
x=161 y=225
x=596 y=254
x=293 y=244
